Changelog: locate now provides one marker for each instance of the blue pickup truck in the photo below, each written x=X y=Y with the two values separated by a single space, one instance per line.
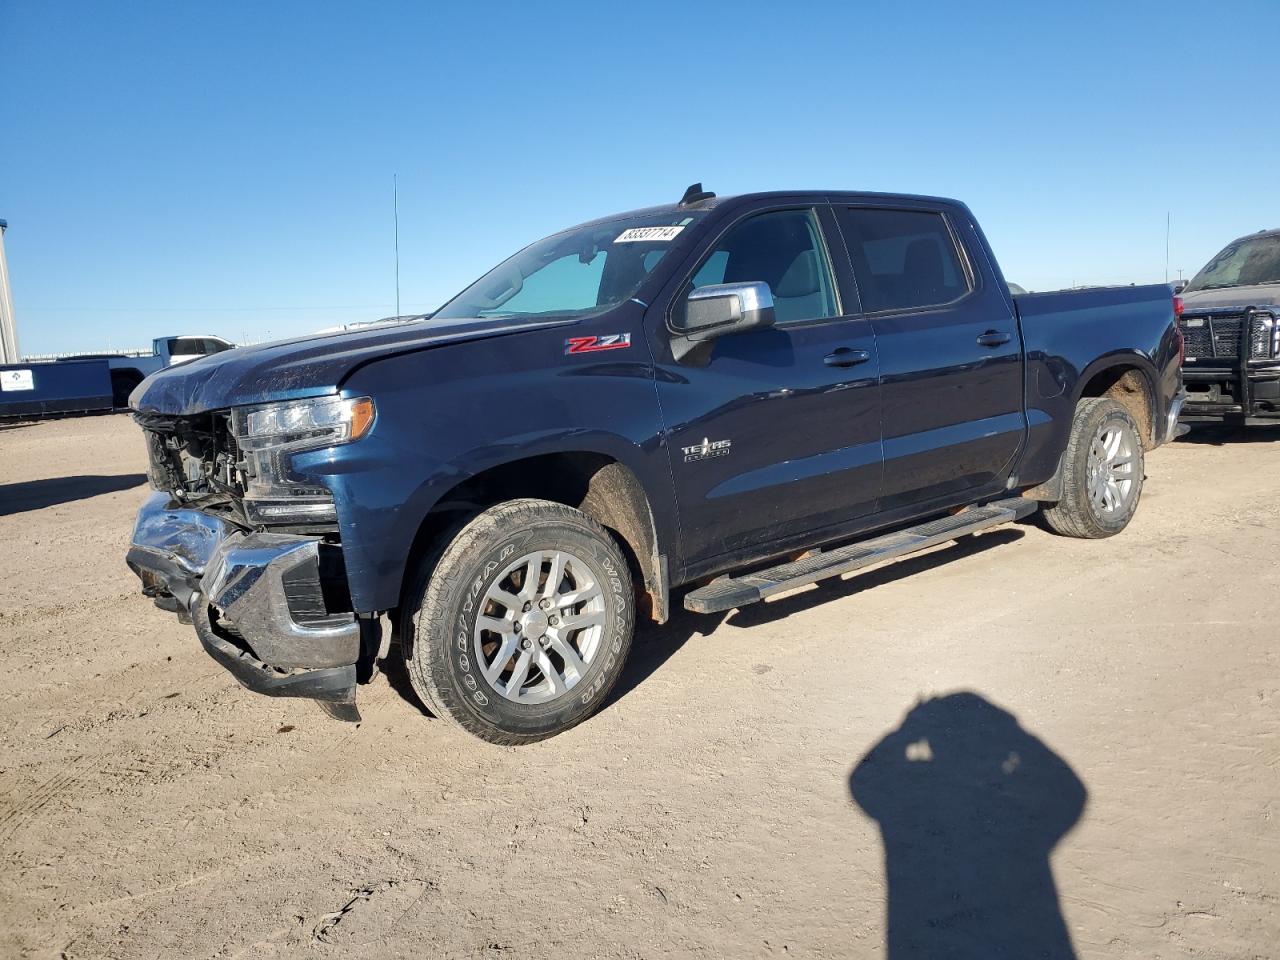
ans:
x=736 y=396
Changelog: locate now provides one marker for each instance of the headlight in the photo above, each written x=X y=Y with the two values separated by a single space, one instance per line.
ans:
x=1264 y=337
x=270 y=434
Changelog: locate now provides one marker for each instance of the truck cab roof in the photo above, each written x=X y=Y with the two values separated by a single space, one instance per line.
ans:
x=714 y=202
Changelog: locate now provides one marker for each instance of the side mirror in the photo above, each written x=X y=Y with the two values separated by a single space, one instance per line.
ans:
x=719 y=310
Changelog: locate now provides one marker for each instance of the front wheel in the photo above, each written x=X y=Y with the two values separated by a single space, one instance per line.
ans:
x=521 y=626
x=1102 y=472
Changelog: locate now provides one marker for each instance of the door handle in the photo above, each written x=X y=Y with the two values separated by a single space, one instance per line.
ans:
x=994 y=338
x=846 y=357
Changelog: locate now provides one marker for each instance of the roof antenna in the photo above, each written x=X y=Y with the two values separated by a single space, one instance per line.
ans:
x=395 y=206
x=695 y=194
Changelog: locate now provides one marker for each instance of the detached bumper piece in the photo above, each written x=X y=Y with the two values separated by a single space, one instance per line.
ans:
x=256 y=600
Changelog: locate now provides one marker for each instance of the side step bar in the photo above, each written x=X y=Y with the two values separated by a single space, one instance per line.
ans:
x=730 y=592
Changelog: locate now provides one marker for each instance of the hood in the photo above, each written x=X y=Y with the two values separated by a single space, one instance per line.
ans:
x=305 y=367
x=1261 y=295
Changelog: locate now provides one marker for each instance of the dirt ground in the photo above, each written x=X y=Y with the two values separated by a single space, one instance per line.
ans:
x=150 y=807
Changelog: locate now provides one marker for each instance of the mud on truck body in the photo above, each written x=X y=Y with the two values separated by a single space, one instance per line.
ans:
x=733 y=396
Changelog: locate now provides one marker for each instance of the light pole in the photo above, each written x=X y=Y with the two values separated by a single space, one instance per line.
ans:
x=8 y=325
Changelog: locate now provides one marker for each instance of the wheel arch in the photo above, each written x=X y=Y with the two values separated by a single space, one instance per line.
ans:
x=1130 y=379
x=598 y=484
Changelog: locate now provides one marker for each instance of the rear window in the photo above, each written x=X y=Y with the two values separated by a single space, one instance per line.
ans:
x=903 y=259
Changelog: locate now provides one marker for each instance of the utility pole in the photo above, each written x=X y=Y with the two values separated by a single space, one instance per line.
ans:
x=8 y=324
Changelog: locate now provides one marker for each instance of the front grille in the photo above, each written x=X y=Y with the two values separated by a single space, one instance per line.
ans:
x=1213 y=337
x=1198 y=338
x=1226 y=336
x=191 y=456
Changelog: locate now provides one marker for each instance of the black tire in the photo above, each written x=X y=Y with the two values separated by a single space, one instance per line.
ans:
x=1077 y=514
x=439 y=620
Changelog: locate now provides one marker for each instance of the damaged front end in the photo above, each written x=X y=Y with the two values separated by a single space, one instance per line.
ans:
x=268 y=600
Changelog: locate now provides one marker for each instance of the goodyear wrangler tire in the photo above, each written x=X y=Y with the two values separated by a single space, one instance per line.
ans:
x=521 y=626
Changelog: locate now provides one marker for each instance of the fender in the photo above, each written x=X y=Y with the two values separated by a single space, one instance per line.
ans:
x=1121 y=358
x=447 y=415
x=1133 y=359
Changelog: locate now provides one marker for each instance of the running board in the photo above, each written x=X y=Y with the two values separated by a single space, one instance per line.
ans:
x=730 y=592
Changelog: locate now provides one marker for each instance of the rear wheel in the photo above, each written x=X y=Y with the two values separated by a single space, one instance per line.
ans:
x=1102 y=472
x=521 y=626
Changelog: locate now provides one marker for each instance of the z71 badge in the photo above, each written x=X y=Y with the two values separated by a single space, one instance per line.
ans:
x=706 y=450
x=610 y=341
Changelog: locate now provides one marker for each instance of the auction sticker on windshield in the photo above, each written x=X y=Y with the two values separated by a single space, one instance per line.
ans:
x=16 y=380
x=648 y=234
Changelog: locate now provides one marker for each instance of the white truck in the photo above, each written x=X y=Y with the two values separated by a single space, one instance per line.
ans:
x=128 y=371
x=90 y=382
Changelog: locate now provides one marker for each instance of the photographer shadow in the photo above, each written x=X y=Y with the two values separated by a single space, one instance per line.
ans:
x=969 y=806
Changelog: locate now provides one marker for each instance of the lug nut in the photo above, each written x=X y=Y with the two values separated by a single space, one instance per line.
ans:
x=554 y=621
x=526 y=644
x=528 y=607
x=516 y=626
x=544 y=604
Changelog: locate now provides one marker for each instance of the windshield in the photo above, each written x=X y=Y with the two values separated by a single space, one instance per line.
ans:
x=1242 y=264
x=579 y=271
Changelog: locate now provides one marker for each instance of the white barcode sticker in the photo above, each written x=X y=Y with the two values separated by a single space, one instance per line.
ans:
x=648 y=234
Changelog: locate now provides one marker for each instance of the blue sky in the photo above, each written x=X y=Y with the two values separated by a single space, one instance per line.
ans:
x=180 y=167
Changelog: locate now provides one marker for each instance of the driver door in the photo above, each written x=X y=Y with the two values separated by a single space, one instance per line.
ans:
x=776 y=435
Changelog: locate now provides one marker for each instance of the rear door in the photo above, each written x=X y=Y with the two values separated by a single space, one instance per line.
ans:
x=950 y=351
x=777 y=435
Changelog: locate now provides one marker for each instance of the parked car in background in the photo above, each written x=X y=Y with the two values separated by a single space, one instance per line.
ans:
x=93 y=382
x=740 y=395
x=129 y=371
x=1231 y=323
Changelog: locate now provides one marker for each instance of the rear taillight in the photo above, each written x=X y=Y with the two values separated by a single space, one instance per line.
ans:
x=1177 y=329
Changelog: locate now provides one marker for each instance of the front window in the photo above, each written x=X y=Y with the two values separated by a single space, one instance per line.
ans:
x=577 y=272
x=784 y=249
x=1242 y=264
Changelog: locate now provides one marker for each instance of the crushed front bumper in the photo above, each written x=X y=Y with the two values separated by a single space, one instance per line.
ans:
x=257 y=602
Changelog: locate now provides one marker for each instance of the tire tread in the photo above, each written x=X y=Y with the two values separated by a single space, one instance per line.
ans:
x=1072 y=516
x=444 y=569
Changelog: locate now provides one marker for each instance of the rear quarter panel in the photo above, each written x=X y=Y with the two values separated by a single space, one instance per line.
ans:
x=1070 y=337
